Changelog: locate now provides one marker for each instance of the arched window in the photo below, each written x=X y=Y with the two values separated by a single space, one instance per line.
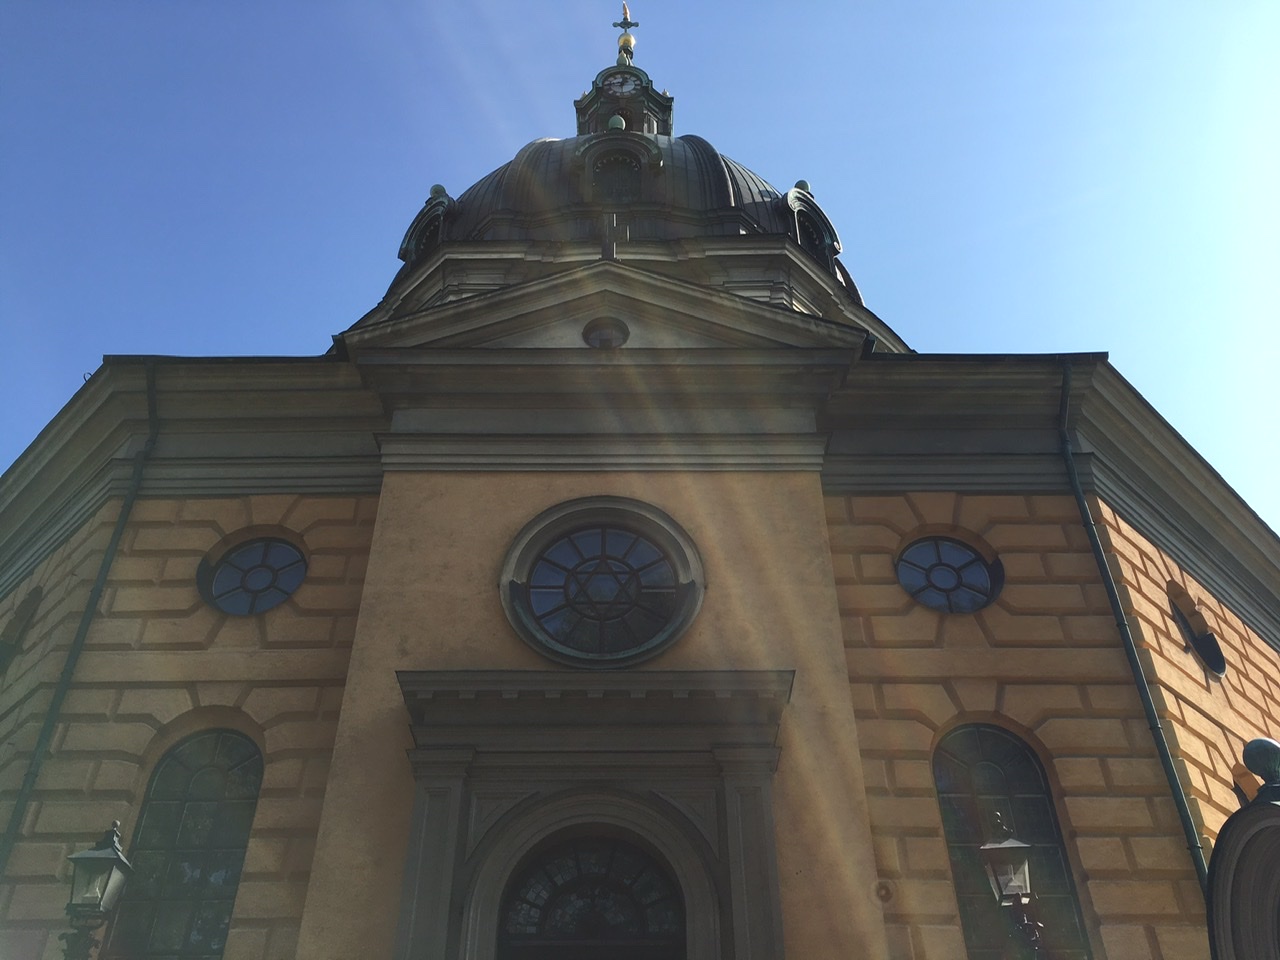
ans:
x=981 y=771
x=590 y=897
x=615 y=178
x=188 y=850
x=812 y=238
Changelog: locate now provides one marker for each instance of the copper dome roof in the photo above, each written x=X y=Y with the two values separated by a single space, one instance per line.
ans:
x=624 y=176
x=686 y=188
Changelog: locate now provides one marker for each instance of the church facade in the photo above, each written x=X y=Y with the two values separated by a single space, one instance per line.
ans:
x=621 y=585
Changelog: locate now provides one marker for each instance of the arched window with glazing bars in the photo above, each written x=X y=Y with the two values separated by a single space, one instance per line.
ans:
x=986 y=776
x=589 y=897
x=188 y=850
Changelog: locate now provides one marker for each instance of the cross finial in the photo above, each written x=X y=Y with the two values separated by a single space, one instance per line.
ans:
x=626 y=42
x=626 y=23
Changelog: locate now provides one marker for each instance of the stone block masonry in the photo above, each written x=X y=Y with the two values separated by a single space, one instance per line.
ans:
x=1045 y=662
x=1211 y=717
x=159 y=665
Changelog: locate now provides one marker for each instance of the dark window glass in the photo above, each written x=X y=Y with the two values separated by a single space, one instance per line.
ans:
x=601 y=582
x=605 y=333
x=1204 y=645
x=602 y=590
x=430 y=236
x=811 y=237
x=592 y=897
x=981 y=771
x=254 y=577
x=616 y=178
x=15 y=631
x=948 y=575
x=188 y=851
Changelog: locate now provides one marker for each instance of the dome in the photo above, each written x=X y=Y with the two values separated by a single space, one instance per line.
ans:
x=671 y=188
x=664 y=187
x=624 y=167
x=625 y=176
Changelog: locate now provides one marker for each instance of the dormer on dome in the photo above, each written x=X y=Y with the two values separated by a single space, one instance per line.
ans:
x=624 y=92
x=427 y=229
x=810 y=227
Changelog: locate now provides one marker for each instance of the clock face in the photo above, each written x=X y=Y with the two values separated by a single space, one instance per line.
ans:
x=621 y=84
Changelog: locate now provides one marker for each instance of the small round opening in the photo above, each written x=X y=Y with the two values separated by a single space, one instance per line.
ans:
x=259 y=578
x=605 y=333
x=944 y=578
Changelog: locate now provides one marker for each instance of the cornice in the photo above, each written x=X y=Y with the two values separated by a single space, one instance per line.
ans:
x=1158 y=483
x=858 y=473
x=234 y=426
x=601 y=453
x=759 y=377
x=990 y=424
x=689 y=274
x=228 y=427
x=524 y=302
x=628 y=710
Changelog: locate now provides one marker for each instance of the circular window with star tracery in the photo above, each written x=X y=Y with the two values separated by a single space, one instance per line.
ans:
x=601 y=582
x=252 y=576
x=948 y=575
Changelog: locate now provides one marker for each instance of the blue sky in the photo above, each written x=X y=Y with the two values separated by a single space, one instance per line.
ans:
x=234 y=177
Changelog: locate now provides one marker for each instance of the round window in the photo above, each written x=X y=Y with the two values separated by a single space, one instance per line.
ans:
x=949 y=575
x=605 y=333
x=254 y=576
x=601 y=582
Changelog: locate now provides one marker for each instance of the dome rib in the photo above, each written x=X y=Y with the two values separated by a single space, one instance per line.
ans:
x=712 y=170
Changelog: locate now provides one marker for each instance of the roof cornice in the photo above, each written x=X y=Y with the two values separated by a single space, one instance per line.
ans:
x=228 y=426
x=989 y=424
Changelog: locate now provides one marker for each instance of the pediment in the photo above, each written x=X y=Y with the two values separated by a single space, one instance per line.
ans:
x=551 y=312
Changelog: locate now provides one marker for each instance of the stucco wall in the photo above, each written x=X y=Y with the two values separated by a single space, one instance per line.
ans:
x=431 y=602
x=160 y=664
x=25 y=690
x=1044 y=661
x=1210 y=718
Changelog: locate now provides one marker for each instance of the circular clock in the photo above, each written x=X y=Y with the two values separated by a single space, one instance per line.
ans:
x=621 y=84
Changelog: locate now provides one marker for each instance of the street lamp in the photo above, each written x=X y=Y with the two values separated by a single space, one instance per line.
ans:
x=1008 y=866
x=98 y=878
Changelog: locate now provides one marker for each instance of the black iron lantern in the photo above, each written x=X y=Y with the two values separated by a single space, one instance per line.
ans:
x=1008 y=867
x=98 y=879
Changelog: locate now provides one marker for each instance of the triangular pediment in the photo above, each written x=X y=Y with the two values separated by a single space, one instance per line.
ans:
x=660 y=312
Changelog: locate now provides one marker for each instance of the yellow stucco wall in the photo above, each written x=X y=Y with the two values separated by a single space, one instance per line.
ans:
x=431 y=602
x=1210 y=718
x=64 y=577
x=860 y=845
x=160 y=664
x=1044 y=661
